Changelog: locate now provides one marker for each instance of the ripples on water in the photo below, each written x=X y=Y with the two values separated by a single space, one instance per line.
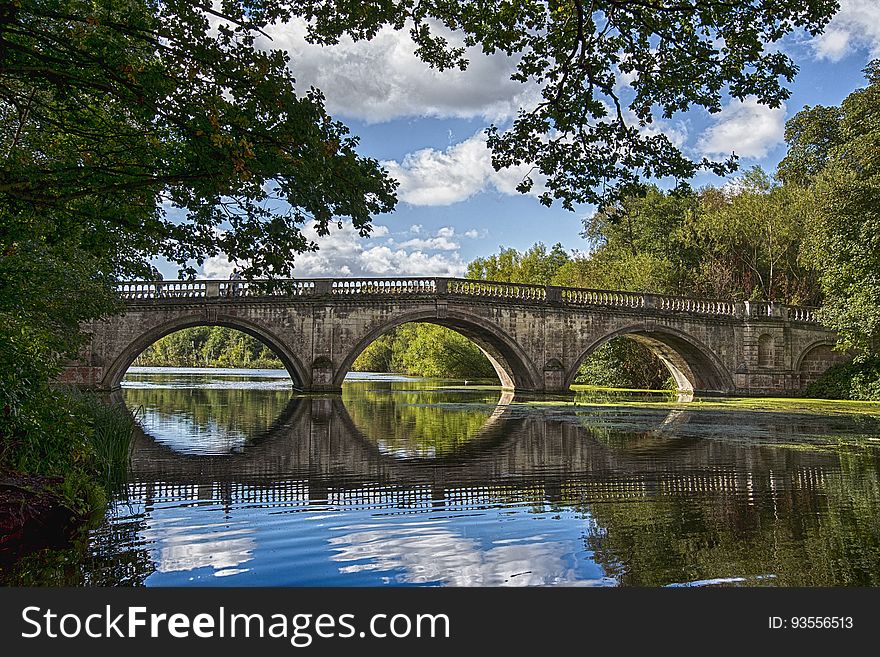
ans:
x=237 y=481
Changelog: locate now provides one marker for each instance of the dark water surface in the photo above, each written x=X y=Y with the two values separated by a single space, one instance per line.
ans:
x=236 y=480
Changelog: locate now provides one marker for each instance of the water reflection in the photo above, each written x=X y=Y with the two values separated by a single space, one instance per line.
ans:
x=430 y=553
x=422 y=482
x=198 y=411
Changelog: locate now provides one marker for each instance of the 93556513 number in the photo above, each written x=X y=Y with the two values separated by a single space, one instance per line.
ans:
x=811 y=623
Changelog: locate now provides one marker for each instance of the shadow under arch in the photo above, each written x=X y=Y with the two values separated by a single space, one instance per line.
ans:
x=514 y=368
x=693 y=366
x=117 y=369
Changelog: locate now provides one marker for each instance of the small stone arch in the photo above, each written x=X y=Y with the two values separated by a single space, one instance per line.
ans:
x=121 y=362
x=514 y=368
x=693 y=366
x=815 y=359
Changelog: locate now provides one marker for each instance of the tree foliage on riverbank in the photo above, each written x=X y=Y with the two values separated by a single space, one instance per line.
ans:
x=208 y=346
x=744 y=241
x=75 y=453
x=134 y=130
x=808 y=235
x=425 y=350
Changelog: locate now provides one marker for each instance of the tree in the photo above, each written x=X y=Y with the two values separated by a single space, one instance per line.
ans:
x=590 y=135
x=749 y=238
x=423 y=349
x=535 y=266
x=139 y=130
x=740 y=241
x=129 y=130
x=833 y=157
x=639 y=244
x=624 y=363
x=112 y=105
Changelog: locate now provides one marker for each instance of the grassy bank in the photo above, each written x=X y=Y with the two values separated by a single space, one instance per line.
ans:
x=58 y=472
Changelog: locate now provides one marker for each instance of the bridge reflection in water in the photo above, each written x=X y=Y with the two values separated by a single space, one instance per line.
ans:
x=493 y=492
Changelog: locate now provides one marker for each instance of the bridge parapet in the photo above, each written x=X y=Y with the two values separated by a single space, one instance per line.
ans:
x=393 y=287
x=607 y=298
x=382 y=286
x=698 y=306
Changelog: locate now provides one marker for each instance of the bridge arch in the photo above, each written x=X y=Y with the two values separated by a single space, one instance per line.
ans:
x=115 y=372
x=693 y=366
x=815 y=359
x=512 y=364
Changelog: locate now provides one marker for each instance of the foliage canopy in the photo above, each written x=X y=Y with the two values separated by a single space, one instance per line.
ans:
x=834 y=157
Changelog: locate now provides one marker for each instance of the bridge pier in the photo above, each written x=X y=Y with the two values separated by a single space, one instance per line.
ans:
x=328 y=389
x=85 y=376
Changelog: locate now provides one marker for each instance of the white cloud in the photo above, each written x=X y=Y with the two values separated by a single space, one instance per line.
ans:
x=746 y=128
x=218 y=267
x=382 y=260
x=381 y=79
x=476 y=234
x=442 y=241
x=432 y=177
x=345 y=253
x=855 y=26
x=834 y=44
x=432 y=244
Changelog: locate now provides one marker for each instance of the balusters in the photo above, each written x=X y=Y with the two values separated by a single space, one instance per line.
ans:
x=496 y=290
x=477 y=289
x=802 y=314
x=380 y=286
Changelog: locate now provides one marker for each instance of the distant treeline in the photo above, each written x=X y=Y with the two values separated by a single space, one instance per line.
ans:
x=208 y=346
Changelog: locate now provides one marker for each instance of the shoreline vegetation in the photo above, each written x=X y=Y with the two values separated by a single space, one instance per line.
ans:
x=59 y=483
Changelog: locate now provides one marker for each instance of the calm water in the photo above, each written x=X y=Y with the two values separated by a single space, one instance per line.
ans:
x=235 y=480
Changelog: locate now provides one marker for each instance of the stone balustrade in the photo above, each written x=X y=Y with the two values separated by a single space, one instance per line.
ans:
x=395 y=287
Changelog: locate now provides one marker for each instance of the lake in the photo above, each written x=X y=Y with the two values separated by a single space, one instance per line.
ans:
x=236 y=480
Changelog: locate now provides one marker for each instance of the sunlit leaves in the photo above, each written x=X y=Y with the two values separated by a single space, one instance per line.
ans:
x=834 y=156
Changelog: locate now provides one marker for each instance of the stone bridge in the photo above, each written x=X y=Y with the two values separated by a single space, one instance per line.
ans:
x=536 y=337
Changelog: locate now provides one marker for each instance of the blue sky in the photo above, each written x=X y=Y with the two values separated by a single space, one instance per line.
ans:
x=427 y=129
